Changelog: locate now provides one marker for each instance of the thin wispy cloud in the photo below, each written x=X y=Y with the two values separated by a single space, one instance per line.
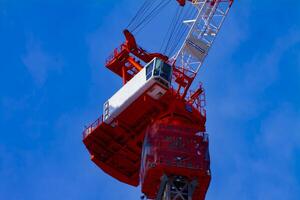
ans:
x=263 y=70
x=39 y=62
x=254 y=137
x=278 y=144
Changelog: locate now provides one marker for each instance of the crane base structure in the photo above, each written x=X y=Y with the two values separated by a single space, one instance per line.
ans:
x=170 y=142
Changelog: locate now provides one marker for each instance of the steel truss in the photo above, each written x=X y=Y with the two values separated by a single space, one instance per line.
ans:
x=176 y=188
x=204 y=28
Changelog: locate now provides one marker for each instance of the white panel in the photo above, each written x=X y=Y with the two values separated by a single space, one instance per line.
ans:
x=196 y=47
x=131 y=91
x=156 y=92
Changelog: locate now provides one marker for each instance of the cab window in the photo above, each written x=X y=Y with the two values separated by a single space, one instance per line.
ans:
x=158 y=64
x=149 y=70
x=166 y=72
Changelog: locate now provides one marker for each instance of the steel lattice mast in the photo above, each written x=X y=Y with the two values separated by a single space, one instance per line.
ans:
x=176 y=188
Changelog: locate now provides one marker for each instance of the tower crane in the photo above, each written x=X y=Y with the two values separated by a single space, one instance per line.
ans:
x=152 y=131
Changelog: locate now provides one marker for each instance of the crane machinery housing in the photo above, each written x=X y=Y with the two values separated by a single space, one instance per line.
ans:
x=152 y=131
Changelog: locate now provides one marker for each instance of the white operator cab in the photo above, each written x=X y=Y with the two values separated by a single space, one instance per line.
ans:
x=156 y=73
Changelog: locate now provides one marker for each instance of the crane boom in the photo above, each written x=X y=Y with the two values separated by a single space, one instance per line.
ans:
x=204 y=28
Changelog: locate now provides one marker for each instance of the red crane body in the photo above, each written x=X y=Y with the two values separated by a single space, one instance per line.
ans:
x=158 y=138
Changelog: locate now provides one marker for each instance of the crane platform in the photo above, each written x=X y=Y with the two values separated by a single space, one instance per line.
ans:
x=116 y=148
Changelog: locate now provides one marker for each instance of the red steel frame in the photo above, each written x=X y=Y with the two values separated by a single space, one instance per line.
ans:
x=117 y=148
x=127 y=60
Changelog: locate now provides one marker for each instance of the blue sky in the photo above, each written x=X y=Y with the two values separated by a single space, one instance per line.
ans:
x=53 y=82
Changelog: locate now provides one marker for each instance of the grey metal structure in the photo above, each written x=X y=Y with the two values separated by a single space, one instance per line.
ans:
x=176 y=188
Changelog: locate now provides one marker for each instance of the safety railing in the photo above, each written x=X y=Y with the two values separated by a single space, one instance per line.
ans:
x=88 y=130
x=199 y=101
x=114 y=54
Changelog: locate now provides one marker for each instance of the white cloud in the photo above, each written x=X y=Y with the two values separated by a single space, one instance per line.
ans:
x=262 y=72
x=279 y=141
x=253 y=147
x=39 y=62
x=250 y=81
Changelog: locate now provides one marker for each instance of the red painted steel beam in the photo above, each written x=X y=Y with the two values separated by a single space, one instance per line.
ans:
x=126 y=60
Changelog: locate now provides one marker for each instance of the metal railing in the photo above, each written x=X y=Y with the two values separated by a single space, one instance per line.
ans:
x=89 y=129
x=114 y=54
